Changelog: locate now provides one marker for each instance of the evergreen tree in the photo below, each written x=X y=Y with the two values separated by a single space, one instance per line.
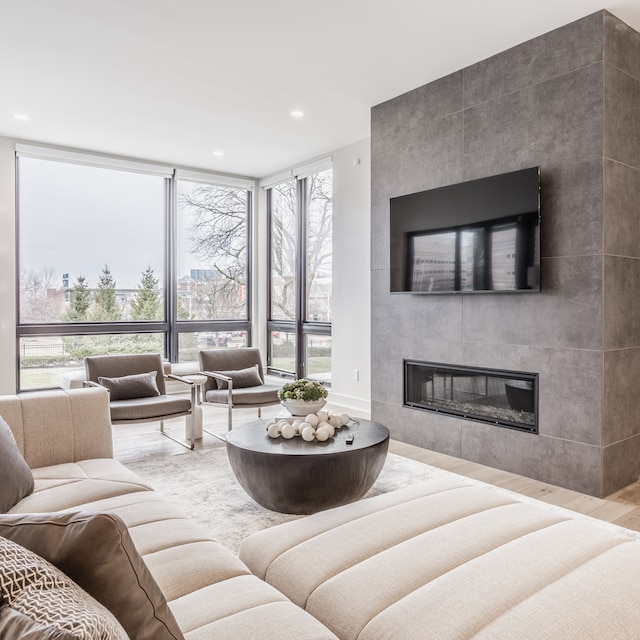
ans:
x=147 y=305
x=106 y=306
x=80 y=301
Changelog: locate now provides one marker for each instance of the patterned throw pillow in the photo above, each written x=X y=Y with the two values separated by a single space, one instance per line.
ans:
x=35 y=588
x=96 y=551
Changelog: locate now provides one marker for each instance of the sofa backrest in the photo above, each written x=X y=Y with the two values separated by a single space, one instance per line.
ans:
x=54 y=427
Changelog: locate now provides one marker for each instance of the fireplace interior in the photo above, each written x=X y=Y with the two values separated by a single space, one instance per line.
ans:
x=503 y=398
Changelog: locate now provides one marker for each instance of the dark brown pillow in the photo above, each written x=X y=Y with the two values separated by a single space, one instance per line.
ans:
x=139 y=385
x=96 y=551
x=241 y=378
x=16 y=479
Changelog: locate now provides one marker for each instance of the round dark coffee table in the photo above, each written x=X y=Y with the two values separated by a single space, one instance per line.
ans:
x=295 y=476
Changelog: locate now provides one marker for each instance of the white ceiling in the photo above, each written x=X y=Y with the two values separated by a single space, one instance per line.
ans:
x=173 y=81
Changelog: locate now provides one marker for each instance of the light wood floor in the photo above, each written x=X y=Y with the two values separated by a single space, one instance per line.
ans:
x=132 y=442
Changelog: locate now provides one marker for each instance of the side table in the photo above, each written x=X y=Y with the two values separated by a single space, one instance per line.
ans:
x=194 y=422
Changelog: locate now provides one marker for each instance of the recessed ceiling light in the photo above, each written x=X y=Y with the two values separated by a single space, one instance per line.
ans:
x=296 y=113
x=218 y=153
x=20 y=116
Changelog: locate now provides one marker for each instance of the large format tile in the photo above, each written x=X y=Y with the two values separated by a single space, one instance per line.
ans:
x=621 y=45
x=560 y=462
x=567 y=313
x=554 y=54
x=621 y=198
x=546 y=125
x=621 y=464
x=422 y=155
x=431 y=101
x=621 y=414
x=621 y=302
x=622 y=118
x=380 y=236
x=571 y=209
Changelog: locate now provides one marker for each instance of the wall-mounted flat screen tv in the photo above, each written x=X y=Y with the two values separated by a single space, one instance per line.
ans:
x=477 y=236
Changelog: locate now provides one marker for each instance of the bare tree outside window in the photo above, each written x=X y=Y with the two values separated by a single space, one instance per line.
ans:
x=212 y=251
x=284 y=223
x=319 y=249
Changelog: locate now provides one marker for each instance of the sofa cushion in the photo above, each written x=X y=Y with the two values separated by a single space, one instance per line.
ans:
x=31 y=585
x=72 y=485
x=241 y=378
x=16 y=479
x=139 y=385
x=96 y=551
x=262 y=395
x=383 y=567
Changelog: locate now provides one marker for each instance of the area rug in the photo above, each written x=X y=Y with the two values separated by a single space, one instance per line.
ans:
x=202 y=483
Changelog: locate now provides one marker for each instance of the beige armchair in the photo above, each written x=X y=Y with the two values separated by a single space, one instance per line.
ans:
x=236 y=379
x=136 y=384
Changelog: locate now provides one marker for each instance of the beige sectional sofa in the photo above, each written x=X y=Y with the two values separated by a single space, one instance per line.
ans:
x=451 y=558
x=65 y=437
x=446 y=559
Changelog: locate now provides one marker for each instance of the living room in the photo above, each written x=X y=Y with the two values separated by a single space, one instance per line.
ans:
x=475 y=117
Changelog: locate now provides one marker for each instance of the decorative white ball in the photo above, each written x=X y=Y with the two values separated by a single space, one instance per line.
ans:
x=331 y=429
x=322 y=434
x=288 y=431
x=322 y=416
x=283 y=423
x=322 y=424
x=297 y=424
x=274 y=431
x=344 y=418
x=269 y=425
x=334 y=421
x=312 y=419
x=308 y=433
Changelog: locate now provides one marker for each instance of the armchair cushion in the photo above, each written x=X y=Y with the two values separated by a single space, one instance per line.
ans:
x=36 y=589
x=16 y=479
x=95 y=550
x=260 y=396
x=241 y=378
x=139 y=385
x=149 y=408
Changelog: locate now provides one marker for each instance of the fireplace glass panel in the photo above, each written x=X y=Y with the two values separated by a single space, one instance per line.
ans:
x=504 y=398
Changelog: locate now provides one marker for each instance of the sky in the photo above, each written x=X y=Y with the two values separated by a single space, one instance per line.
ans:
x=75 y=219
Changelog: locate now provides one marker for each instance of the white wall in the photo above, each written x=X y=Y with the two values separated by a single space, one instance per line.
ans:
x=7 y=268
x=351 y=288
x=352 y=276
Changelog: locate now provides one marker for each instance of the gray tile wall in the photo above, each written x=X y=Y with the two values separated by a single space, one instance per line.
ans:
x=567 y=102
x=621 y=234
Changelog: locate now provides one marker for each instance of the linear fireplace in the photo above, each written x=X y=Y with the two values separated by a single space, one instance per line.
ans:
x=504 y=398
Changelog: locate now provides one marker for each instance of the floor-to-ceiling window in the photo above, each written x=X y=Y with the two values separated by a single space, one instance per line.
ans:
x=300 y=274
x=212 y=265
x=123 y=257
